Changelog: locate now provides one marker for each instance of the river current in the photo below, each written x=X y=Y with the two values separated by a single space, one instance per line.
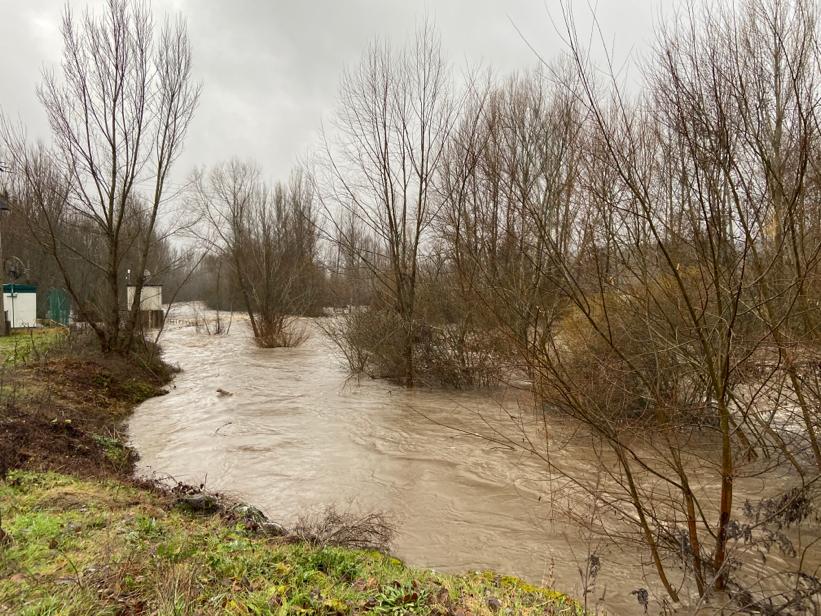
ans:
x=287 y=430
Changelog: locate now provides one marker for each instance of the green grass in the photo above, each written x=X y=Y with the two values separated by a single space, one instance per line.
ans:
x=115 y=450
x=93 y=547
x=23 y=345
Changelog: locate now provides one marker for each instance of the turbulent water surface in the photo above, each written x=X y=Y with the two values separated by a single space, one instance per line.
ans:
x=290 y=433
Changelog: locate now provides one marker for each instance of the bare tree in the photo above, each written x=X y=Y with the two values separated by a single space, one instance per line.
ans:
x=510 y=191
x=651 y=258
x=687 y=306
x=119 y=109
x=395 y=116
x=269 y=238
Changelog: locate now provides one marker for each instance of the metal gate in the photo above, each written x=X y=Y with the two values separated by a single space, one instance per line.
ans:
x=59 y=306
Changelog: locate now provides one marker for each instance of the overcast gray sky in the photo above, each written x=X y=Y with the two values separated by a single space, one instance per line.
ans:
x=270 y=68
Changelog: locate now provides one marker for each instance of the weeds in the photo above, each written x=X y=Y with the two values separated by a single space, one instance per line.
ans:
x=398 y=598
x=120 y=455
x=32 y=345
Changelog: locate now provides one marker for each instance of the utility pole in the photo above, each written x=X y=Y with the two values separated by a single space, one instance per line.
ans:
x=4 y=207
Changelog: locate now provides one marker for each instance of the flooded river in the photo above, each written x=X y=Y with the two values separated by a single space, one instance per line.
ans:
x=292 y=434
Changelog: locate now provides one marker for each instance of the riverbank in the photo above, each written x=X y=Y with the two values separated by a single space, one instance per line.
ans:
x=81 y=535
x=98 y=546
x=64 y=403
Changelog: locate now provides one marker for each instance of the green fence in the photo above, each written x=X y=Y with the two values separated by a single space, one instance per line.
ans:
x=59 y=306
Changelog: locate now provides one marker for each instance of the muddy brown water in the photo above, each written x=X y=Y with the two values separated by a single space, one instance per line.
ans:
x=293 y=434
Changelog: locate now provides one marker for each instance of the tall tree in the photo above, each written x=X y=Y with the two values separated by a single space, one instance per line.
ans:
x=119 y=108
x=395 y=116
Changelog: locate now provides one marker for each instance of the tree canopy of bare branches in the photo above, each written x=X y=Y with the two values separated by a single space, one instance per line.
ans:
x=395 y=116
x=119 y=108
x=269 y=238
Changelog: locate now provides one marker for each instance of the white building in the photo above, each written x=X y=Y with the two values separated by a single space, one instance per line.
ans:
x=20 y=304
x=150 y=298
x=151 y=312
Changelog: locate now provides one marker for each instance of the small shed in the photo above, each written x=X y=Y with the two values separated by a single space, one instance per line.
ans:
x=151 y=312
x=150 y=297
x=20 y=304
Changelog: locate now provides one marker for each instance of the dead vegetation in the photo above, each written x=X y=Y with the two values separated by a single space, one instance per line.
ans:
x=447 y=353
x=332 y=527
x=327 y=527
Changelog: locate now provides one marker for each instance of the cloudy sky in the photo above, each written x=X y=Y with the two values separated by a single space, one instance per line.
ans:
x=270 y=68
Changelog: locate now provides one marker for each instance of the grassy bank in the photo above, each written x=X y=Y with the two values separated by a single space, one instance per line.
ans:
x=81 y=536
x=25 y=345
x=102 y=547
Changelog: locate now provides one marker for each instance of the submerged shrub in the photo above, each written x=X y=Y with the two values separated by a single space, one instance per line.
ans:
x=373 y=340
